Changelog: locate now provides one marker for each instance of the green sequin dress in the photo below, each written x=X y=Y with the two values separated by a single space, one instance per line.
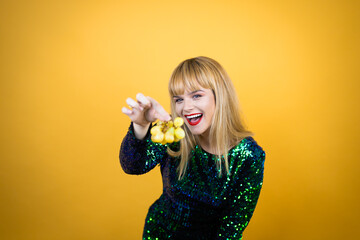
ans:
x=202 y=205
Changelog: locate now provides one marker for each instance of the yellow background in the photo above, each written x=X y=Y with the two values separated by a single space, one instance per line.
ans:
x=68 y=66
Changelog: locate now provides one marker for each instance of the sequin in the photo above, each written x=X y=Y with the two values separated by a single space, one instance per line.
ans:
x=202 y=205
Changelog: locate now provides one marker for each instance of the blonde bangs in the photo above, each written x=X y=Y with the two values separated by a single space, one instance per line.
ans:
x=188 y=76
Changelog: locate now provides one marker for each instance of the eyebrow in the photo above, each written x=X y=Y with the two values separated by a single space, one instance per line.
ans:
x=191 y=93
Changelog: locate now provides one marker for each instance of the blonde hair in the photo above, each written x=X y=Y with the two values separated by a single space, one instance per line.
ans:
x=227 y=128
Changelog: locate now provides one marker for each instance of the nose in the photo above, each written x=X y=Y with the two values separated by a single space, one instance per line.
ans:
x=188 y=105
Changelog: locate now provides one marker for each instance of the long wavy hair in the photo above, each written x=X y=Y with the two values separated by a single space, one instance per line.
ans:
x=227 y=128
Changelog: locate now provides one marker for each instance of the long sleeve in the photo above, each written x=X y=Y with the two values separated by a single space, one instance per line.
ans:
x=244 y=195
x=140 y=156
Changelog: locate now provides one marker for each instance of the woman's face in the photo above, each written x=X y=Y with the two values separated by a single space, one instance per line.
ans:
x=197 y=109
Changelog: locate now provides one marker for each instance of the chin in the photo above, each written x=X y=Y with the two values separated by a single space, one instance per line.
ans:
x=196 y=132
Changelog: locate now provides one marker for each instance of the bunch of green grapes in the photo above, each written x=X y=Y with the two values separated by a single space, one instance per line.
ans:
x=167 y=132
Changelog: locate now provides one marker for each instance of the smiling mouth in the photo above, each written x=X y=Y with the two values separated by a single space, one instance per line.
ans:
x=194 y=119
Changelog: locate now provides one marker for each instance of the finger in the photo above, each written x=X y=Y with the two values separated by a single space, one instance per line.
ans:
x=126 y=111
x=161 y=117
x=142 y=100
x=161 y=113
x=133 y=103
x=164 y=116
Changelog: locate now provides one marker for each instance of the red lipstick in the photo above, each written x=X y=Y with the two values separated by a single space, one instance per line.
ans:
x=194 y=119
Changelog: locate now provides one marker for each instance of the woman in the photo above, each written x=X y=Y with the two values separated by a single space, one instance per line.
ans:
x=212 y=178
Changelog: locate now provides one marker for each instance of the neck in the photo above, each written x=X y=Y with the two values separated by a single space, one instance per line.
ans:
x=204 y=142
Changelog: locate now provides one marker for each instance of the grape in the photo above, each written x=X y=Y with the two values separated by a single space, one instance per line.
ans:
x=159 y=137
x=178 y=122
x=167 y=132
x=169 y=135
x=155 y=130
x=179 y=133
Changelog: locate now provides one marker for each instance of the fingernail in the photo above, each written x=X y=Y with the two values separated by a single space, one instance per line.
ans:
x=126 y=111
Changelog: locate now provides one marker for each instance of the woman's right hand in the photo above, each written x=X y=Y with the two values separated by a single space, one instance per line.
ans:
x=143 y=112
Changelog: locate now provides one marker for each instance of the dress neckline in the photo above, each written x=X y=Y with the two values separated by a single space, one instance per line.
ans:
x=230 y=150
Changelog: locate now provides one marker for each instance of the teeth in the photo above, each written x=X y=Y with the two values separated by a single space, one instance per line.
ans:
x=194 y=116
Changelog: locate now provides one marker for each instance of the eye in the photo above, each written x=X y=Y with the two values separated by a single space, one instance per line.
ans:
x=178 y=100
x=197 y=96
